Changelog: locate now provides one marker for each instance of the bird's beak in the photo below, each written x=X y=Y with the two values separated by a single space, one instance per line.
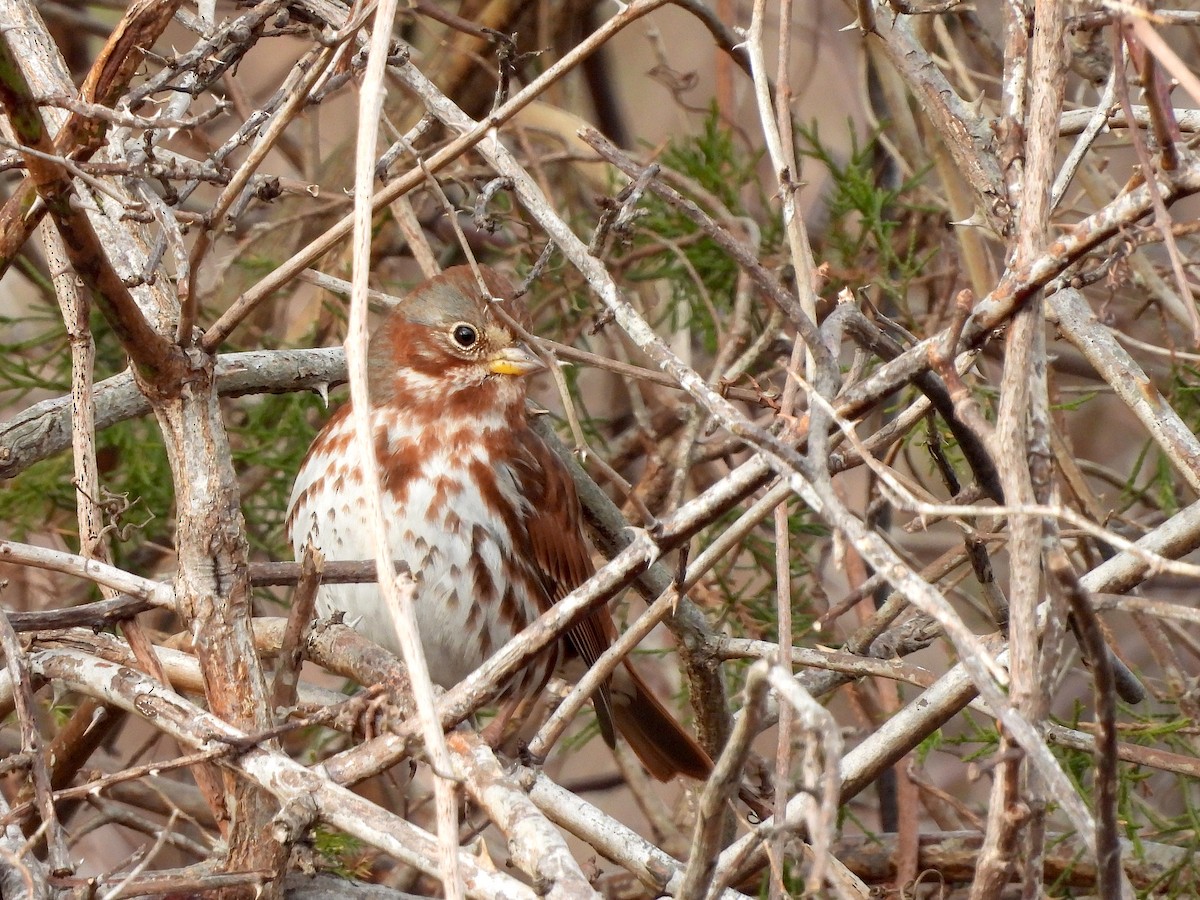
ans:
x=515 y=361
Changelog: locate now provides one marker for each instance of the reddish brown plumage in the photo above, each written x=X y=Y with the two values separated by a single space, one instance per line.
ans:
x=485 y=515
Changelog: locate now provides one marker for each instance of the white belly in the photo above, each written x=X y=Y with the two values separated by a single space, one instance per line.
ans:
x=446 y=537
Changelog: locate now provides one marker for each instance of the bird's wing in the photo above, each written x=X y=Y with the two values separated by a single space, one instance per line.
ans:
x=555 y=526
x=554 y=522
x=624 y=702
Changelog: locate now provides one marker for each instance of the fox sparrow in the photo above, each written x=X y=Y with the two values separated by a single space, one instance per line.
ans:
x=481 y=510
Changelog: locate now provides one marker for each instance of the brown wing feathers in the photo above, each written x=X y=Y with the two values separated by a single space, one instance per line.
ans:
x=558 y=546
x=556 y=539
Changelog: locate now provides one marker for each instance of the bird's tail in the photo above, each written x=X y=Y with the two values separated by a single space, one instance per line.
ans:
x=658 y=740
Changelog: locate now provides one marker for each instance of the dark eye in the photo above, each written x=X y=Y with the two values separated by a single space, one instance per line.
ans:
x=465 y=335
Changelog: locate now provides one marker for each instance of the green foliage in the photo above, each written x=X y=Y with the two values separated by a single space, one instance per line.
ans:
x=595 y=428
x=970 y=732
x=792 y=879
x=865 y=239
x=33 y=498
x=136 y=489
x=269 y=435
x=746 y=579
x=584 y=728
x=343 y=854
x=1076 y=404
x=23 y=361
x=255 y=266
x=1142 y=820
x=932 y=742
x=715 y=161
x=702 y=277
x=1159 y=490
x=1182 y=392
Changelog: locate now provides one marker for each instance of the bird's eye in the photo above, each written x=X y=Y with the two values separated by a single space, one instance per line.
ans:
x=465 y=335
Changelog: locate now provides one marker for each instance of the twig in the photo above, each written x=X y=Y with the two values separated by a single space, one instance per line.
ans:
x=1174 y=538
x=297 y=95
x=1161 y=216
x=269 y=769
x=291 y=652
x=1108 y=848
x=68 y=563
x=538 y=848
x=649 y=864
x=1069 y=310
x=245 y=304
x=153 y=355
x=598 y=673
x=79 y=136
x=17 y=667
x=1098 y=120
x=397 y=595
x=814 y=808
x=711 y=815
x=744 y=255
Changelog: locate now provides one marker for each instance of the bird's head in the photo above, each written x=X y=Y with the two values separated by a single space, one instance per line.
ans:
x=447 y=343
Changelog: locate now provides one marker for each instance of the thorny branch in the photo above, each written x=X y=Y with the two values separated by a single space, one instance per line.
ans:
x=755 y=378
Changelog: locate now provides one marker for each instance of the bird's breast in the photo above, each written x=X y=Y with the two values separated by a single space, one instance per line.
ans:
x=455 y=516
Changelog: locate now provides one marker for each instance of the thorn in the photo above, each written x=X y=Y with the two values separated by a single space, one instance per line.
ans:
x=976 y=220
x=644 y=535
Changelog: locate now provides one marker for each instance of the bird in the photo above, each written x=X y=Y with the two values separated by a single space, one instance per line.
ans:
x=480 y=509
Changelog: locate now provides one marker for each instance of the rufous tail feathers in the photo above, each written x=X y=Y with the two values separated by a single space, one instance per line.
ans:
x=658 y=740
